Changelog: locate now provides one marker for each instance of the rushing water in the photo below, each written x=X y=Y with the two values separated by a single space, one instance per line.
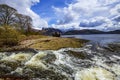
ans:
x=91 y=62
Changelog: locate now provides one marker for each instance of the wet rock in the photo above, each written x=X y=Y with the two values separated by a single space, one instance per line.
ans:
x=68 y=70
x=79 y=55
x=49 y=58
x=85 y=64
x=11 y=64
x=35 y=79
x=4 y=69
x=50 y=75
x=114 y=47
x=42 y=74
x=15 y=76
x=28 y=72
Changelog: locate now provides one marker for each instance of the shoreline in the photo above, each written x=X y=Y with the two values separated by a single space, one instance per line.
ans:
x=47 y=43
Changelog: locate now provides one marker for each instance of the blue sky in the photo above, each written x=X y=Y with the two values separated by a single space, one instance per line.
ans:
x=70 y=14
x=45 y=10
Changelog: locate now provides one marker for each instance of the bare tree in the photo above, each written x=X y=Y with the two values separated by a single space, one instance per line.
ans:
x=28 y=23
x=24 y=22
x=10 y=17
x=7 y=15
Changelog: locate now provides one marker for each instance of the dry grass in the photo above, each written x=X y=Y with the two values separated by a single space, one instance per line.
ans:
x=57 y=43
x=40 y=42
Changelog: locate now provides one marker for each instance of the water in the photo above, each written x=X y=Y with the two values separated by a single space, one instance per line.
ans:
x=102 y=38
x=91 y=62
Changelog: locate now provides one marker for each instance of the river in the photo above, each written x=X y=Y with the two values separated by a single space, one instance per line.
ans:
x=99 y=59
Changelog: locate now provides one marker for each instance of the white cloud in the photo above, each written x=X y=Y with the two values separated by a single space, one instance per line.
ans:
x=116 y=10
x=100 y=23
x=24 y=7
x=64 y=27
x=89 y=10
x=97 y=21
x=92 y=11
x=80 y=9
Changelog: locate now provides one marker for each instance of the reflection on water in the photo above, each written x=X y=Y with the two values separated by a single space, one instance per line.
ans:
x=91 y=62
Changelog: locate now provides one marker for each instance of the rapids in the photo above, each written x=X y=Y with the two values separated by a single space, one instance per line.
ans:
x=86 y=63
x=91 y=62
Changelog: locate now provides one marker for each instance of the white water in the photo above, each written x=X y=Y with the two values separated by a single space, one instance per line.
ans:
x=94 y=68
x=36 y=62
x=94 y=74
x=96 y=63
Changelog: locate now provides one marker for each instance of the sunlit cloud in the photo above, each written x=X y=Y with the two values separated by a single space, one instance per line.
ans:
x=88 y=13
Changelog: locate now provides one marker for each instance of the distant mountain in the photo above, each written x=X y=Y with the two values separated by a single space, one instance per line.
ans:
x=114 y=32
x=84 y=31
x=90 y=31
x=50 y=31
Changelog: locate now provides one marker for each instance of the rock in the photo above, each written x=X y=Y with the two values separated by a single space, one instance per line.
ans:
x=49 y=58
x=114 y=47
x=79 y=55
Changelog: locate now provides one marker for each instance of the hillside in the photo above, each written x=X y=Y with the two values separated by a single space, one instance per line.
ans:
x=92 y=31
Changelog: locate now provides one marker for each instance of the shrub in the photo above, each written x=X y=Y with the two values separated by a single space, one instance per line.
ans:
x=56 y=34
x=9 y=36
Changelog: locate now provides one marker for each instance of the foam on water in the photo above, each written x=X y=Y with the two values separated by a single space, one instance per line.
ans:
x=97 y=67
x=94 y=74
x=116 y=69
x=36 y=62
x=17 y=57
x=113 y=66
x=19 y=70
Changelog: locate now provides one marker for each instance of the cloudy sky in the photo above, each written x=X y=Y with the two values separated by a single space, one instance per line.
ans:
x=70 y=14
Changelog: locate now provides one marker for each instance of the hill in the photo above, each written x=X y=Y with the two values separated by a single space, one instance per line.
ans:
x=90 y=31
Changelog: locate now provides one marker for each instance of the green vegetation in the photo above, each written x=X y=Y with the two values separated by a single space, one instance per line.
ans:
x=9 y=36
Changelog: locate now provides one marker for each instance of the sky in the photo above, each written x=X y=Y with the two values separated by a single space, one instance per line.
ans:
x=70 y=14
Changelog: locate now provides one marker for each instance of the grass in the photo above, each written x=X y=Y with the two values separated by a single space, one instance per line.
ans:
x=54 y=43
x=40 y=42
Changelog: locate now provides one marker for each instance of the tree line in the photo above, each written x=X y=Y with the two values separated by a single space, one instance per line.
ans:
x=13 y=25
x=10 y=17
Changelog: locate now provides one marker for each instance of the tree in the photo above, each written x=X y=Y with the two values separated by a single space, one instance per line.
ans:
x=28 y=23
x=10 y=17
x=24 y=22
x=56 y=34
x=7 y=15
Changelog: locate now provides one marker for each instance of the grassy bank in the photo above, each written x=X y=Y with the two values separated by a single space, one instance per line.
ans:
x=54 y=43
x=40 y=42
